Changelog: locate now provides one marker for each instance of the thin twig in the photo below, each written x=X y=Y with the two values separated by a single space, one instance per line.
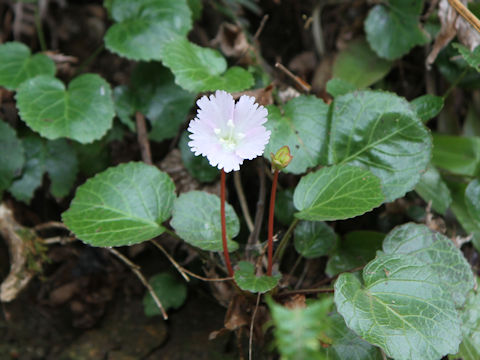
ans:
x=305 y=87
x=50 y=224
x=243 y=201
x=260 y=27
x=283 y=243
x=59 y=240
x=250 y=341
x=254 y=40
x=254 y=235
x=465 y=13
x=136 y=270
x=142 y=137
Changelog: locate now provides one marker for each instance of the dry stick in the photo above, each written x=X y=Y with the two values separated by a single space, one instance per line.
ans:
x=305 y=87
x=250 y=340
x=465 y=13
x=224 y=225
x=142 y=137
x=254 y=235
x=184 y=271
x=255 y=38
x=243 y=201
x=136 y=270
x=48 y=225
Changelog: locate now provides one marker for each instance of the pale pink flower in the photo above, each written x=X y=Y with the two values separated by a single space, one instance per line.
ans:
x=228 y=133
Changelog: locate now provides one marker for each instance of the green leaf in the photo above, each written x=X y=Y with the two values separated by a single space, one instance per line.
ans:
x=196 y=6
x=359 y=65
x=196 y=219
x=197 y=166
x=427 y=106
x=393 y=29
x=24 y=187
x=247 y=280
x=437 y=252
x=314 y=239
x=464 y=160
x=143 y=27
x=200 y=69
x=171 y=292
x=472 y=200
x=17 y=65
x=407 y=304
x=471 y=57
x=431 y=187
x=337 y=192
x=12 y=155
x=337 y=87
x=123 y=205
x=84 y=112
x=62 y=166
x=357 y=249
x=301 y=125
x=124 y=100
x=379 y=131
x=284 y=208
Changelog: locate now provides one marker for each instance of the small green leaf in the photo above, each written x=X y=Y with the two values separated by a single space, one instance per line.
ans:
x=143 y=27
x=359 y=65
x=379 y=131
x=337 y=192
x=432 y=188
x=301 y=125
x=124 y=100
x=357 y=249
x=337 y=87
x=12 y=155
x=200 y=69
x=427 y=106
x=247 y=280
x=471 y=57
x=17 y=65
x=314 y=239
x=123 y=205
x=171 y=291
x=197 y=166
x=196 y=219
x=394 y=29
x=284 y=208
x=472 y=200
x=84 y=112
x=465 y=160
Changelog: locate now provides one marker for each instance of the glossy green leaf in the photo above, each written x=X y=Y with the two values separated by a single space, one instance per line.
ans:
x=284 y=208
x=337 y=192
x=355 y=250
x=407 y=303
x=427 y=106
x=123 y=205
x=200 y=69
x=301 y=125
x=379 y=131
x=247 y=280
x=456 y=154
x=171 y=291
x=197 y=166
x=337 y=87
x=359 y=65
x=393 y=28
x=196 y=219
x=12 y=156
x=83 y=112
x=17 y=64
x=471 y=57
x=313 y=239
x=431 y=187
x=143 y=27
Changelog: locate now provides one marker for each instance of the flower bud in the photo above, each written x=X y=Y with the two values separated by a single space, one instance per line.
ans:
x=281 y=159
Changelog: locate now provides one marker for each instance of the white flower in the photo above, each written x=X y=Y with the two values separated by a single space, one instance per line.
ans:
x=228 y=133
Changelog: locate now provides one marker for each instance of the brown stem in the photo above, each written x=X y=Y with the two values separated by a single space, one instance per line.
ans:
x=270 y=222
x=224 y=225
x=142 y=137
x=254 y=235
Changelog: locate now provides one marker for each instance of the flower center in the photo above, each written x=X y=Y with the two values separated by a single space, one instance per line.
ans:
x=229 y=138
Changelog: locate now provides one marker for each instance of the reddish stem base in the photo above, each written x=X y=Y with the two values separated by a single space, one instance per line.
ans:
x=224 y=225
x=270 y=222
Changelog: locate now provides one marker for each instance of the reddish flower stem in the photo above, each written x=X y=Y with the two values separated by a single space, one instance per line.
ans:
x=224 y=225
x=270 y=222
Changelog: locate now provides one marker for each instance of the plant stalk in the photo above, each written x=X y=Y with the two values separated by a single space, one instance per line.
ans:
x=270 y=222
x=224 y=225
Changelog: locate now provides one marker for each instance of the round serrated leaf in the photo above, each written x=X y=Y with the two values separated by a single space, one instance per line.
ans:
x=202 y=69
x=247 y=280
x=314 y=239
x=123 y=205
x=17 y=65
x=144 y=26
x=83 y=112
x=379 y=131
x=301 y=125
x=12 y=155
x=197 y=166
x=337 y=192
x=393 y=29
x=196 y=219
x=171 y=291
